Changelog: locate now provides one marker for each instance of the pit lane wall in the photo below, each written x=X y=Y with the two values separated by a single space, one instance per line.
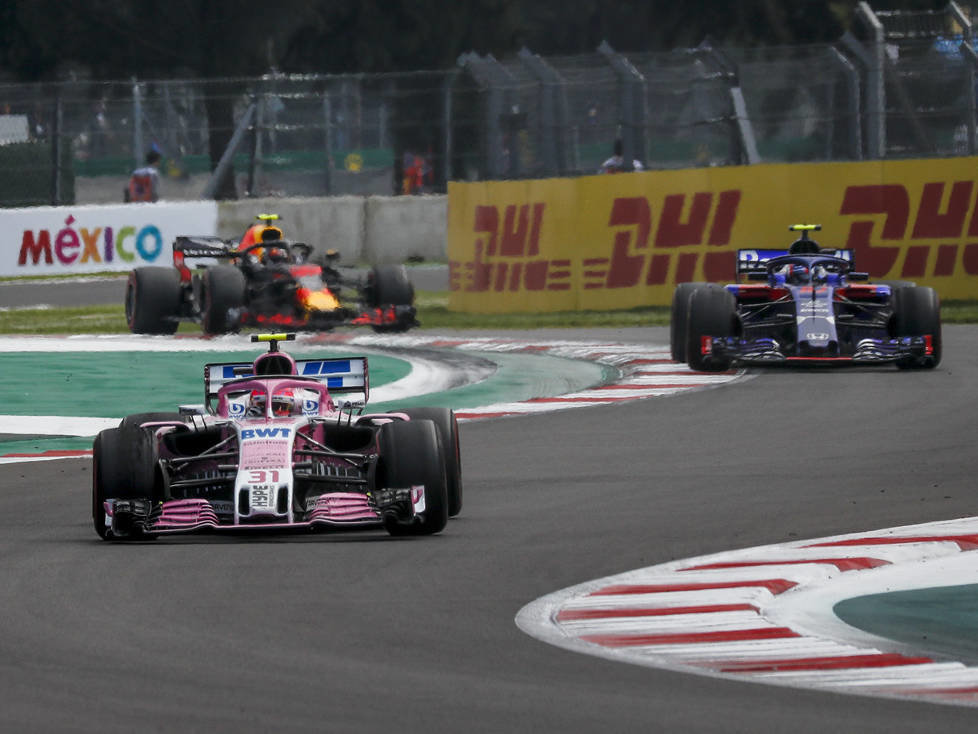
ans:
x=621 y=241
x=89 y=239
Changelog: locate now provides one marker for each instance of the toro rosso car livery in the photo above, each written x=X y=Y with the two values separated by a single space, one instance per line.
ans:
x=279 y=444
x=260 y=281
x=804 y=304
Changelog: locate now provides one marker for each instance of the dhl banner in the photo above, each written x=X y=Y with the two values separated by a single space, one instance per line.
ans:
x=625 y=240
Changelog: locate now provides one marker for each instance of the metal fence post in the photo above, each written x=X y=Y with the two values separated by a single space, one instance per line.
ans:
x=501 y=162
x=228 y=155
x=968 y=52
x=632 y=108
x=552 y=132
x=854 y=116
x=328 y=129
x=137 y=124
x=56 y=153
x=254 y=167
x=875 y=85
x=447 y=116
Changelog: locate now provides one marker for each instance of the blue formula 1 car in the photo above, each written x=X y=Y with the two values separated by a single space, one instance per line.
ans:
x=807 y=305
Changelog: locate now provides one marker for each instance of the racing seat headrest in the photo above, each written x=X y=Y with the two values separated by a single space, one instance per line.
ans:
x=804 y=246
x=274 y=363
x=271 y=234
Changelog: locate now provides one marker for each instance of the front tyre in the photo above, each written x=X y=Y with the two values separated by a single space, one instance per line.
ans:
x=712 y=313
x=679 y=315
x=411 y=455
x=447 y=425
x=153 y=296
x=917 y=312
x=123 y=468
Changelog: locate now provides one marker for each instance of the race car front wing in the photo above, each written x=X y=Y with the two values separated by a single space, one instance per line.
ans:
x=768 y=350
x=135 y=518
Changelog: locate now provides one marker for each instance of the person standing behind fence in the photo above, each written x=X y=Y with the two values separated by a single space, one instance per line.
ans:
x=144 y=182
x=616 y=164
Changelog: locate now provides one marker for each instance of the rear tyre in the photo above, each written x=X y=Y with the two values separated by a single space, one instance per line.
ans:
x=224 y=297
x=447 y=425
x=678 y=319
x=123 y=468
x=411 y=455
x=153 y=300
x=917 y=312
x=388 y=285
x=712 y=313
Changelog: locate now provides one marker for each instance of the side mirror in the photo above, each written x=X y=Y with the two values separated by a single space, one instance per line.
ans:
x=757 y=276
x=857 y=276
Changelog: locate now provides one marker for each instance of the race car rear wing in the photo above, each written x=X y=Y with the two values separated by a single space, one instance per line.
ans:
x=202 y=247
x=755 y=261
x=341 y=376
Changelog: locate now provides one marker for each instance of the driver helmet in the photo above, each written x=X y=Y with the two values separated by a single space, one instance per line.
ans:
x=795 y=273
x=283 y=403
x=261 y=232
x=256 y=404
x=276 y=255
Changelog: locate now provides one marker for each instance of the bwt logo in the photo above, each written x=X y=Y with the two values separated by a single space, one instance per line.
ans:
x=696 y=219
x=94 y=245
x=930 y=222
x=249 y=433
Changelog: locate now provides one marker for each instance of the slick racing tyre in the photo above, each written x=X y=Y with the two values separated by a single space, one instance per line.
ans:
x=447 y=425
x=153 y=300
x=122 y=469
x=224 y=297
x=678 y=318
x=712 y=313
x=411 y=455
x=388 y=285
x=917 y=312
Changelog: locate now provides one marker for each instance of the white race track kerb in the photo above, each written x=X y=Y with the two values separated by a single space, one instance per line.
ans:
x=765 y=614
x=643 y=371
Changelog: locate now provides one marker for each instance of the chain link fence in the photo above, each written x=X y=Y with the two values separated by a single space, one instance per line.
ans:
x=902 y=85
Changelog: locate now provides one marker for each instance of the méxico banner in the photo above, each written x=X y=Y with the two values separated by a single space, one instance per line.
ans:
x=90 y=239
x=625 y=240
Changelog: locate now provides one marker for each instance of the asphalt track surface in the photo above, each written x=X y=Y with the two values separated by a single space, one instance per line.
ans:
x=361 y=632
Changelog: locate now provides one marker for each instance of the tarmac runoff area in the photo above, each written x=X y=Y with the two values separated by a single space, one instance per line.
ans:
x=889 y=613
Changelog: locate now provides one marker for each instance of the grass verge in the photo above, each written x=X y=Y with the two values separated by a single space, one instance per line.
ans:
x=432 y=312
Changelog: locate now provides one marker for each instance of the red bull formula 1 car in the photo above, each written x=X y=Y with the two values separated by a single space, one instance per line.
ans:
x=260 y=281
x=804 y=304
x=280 y=444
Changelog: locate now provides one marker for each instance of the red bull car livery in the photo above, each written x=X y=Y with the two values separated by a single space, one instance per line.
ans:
x=804 y=304
x=264 y=281
x=279 y=444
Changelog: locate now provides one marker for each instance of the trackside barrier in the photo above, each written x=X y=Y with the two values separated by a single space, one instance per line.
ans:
x=621 y=241
x=87 y=239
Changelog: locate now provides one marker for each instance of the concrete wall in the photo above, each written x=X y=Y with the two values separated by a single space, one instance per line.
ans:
x=372 y=229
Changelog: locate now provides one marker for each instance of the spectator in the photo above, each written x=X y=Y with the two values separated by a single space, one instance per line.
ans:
x=414 y=174
x=144 y=183
x=616 y=164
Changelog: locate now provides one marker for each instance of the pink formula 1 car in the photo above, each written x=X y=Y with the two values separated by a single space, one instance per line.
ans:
x=279 y=444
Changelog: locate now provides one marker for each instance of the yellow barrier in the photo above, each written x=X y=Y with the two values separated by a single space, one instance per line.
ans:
x=625 y=240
